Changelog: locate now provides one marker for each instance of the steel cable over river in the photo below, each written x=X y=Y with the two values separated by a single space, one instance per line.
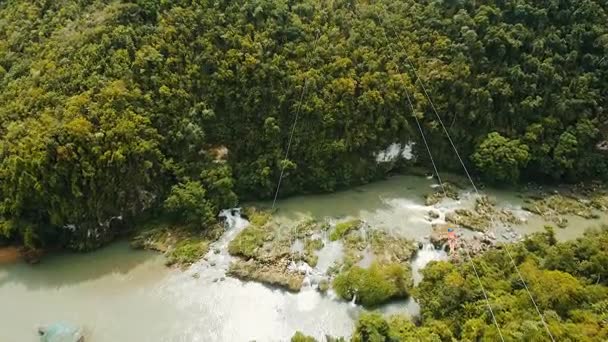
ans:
x=157 y=303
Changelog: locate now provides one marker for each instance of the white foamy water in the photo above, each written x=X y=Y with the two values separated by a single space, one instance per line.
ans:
x=426 y=254
x=232 y=310
x=118 y=294
x=395 y=151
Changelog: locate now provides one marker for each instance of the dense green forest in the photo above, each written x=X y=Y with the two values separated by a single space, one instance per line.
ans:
x=111 y=108
x=568 y=281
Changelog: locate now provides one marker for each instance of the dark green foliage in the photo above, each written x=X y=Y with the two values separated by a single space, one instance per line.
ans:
x=373 y=327
x=572 y=298
x=105 y=107
x=189 y=202
x=198 y=202
x=501 y=159
x=565 y=280
x=375 y=285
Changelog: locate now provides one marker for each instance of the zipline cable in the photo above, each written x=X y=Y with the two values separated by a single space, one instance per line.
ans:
x=409 y=100
x=419 y=80
x=483 y=290
x=293 y=129
x=479 y=195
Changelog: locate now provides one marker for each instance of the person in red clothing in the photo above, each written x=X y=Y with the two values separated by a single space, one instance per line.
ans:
x=452 y=240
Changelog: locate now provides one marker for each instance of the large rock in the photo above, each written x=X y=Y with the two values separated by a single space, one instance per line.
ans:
x=439 y=235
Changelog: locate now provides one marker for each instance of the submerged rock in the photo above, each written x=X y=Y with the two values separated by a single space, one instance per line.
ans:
x=600 y=202
x=451 y=191
x=275 y=273
x=433 y=214
x=482 y=216
x=554 y=207
x=323 y=285
x=391 y=249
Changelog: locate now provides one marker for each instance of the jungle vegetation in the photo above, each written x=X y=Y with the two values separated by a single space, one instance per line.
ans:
x=568 y=280
x=112 y=109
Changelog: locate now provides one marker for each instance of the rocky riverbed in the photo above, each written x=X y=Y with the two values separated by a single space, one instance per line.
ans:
x=379 y=224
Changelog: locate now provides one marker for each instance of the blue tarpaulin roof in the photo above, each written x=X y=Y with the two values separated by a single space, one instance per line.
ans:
x=60 y=332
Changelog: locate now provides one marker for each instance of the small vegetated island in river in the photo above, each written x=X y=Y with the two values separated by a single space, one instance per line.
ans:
x=147 y=118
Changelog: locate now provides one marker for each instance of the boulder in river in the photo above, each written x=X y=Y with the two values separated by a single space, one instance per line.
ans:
x=556 y=206
x=482 y=216
x=448 y=190
x=439 y=236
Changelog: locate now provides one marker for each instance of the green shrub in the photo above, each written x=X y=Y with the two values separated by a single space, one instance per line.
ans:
x=344 y=228
x=310 y=248
x=257 y=217
x=299 y=337
x=372 y=326
x=188 y=252
x=247 y=242
x=375 y=285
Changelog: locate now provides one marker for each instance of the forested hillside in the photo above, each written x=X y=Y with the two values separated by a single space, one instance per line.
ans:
x=109 y=108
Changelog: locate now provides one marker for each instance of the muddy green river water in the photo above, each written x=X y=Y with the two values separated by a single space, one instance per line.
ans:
x=117 y=294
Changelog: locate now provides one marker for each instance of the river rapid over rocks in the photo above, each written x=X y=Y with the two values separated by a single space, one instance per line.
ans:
x=118 y=294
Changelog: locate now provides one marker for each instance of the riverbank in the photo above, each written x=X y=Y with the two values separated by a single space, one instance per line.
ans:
x=385 y=223
x=214 y=306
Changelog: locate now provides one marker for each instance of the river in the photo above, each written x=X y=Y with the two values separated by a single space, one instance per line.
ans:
x=118 y=294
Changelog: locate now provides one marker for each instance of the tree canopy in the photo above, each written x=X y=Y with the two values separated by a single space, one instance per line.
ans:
x=111 y=108
x=567 y=281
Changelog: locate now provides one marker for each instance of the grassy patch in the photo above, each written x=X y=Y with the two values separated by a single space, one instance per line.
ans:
x=187 y=252
x=311 y=246
x=257 y=217
x=181 y=245
x=247 y=242
x=343 y=228
x=391 y=249
x=375 y=285
x=250 y=240
x=554 y=207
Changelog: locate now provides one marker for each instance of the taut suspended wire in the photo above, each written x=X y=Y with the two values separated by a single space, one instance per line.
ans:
x=428 y=149
x=409 y=100
x=293 y=129
x=419 y=80
x=466 y=248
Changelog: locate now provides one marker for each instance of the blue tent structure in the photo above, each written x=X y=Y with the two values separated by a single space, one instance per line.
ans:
x=60 y=332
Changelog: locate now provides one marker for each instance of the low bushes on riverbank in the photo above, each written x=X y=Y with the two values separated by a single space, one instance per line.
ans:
x=181 y=245
x=568 y=280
